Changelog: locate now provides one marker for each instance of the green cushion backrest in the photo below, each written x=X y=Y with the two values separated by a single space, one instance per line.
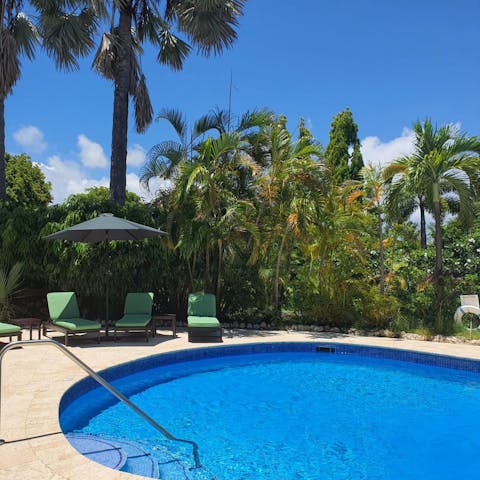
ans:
x=202 y=305
x=138 y=303
x=62 y=305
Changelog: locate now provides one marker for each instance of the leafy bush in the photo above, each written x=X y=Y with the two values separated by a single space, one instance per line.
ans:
x=10 y=289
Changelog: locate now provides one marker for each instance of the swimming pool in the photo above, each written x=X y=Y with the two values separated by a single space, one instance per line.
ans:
x=289 y=411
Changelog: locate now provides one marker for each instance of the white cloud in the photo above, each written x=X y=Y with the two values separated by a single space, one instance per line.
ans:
x=133 y=185
x=136 y=155
x=31 y=138
x=67 y=178
x=376 y=152
x=91 y=154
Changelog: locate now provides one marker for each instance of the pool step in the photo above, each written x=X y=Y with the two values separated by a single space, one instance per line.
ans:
x=115 y=453
x=133 y=457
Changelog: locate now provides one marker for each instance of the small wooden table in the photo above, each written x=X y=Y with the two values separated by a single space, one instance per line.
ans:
x=165 y=316
x=29 y=323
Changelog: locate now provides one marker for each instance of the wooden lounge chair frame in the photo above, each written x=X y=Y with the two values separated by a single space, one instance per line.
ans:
x=131 y=297
x=66 y=331
x=17 y=334
x=70 y=298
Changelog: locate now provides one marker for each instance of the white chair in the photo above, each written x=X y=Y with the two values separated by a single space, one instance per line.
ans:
x=469 y=304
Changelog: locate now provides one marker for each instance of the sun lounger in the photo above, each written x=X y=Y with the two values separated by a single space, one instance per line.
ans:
x=203 y=325
x=65 y=316
x=137 y=315
x=469 y=304
x=9 y=330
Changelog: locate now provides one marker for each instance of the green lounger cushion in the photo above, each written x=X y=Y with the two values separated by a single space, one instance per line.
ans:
x=133 y=321
x=62 y=305
x=6 y=328
x=194 y=321
x=77 y=324
x=138 y=303
x=202 y=305
x=137 y=310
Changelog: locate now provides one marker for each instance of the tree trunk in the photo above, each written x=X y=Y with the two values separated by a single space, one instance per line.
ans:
x=423 y=227
x=382 y=254
x=118 y=166
x=219 y=273
x=190 y=274
x=277 y=274
x=438 y=231
x=438 y=274
x=3 y=179
x=207 y=269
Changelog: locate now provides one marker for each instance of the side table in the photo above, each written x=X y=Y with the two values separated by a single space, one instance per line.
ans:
x=165 y=316
x=29 y=323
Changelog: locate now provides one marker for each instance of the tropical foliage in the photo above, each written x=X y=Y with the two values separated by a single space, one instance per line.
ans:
x=445 y=162
x=343 y=151
x=257 y=215
x=26 y=185
x=10 y=288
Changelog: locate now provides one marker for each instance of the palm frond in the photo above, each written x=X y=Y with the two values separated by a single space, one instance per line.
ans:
x=162 y=160
x=98 y=6
x=25 y=34
x=67 y=36
x=210 y=24
x=255 y=118
x=148 y=24
x=214 y=120
x=10 y=287
x=143 y=106
x=173 y=50
x=196 y=172
x=177 y=120
x=105 y=59
x=122 y=4
x=9 y=63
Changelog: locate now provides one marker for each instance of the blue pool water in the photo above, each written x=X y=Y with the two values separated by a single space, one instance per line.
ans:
x=291 y=415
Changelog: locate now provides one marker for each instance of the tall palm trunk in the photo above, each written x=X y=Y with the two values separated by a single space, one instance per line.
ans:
x=207 y=269
x=219 y=272
x=118 y=167
x=277 y=272
x=438 y=231
x=438 y=274
x=3 y=179
x=382 y=254
x=423 y=226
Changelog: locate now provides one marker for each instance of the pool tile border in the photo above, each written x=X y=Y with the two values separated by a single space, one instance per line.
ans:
x=113 y=373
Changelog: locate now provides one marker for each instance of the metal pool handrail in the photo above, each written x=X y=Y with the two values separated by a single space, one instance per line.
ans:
x=101 y=381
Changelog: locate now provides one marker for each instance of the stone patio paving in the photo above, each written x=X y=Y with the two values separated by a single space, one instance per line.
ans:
x=34 y=379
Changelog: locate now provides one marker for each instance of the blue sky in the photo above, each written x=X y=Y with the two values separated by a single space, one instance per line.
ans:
x=391 y=61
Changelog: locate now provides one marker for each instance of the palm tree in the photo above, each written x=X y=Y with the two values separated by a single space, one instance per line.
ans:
x=63 y=33
x=372 y=189
x=206 y=183
x=445 y=161
x=207 y=25
x=164 y=159
x=403 y=197
x=288 y=188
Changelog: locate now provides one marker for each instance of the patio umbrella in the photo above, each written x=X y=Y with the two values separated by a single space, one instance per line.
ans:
x=104 y=228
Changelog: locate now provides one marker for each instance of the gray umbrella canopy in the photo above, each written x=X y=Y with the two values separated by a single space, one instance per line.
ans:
x=104 y=228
